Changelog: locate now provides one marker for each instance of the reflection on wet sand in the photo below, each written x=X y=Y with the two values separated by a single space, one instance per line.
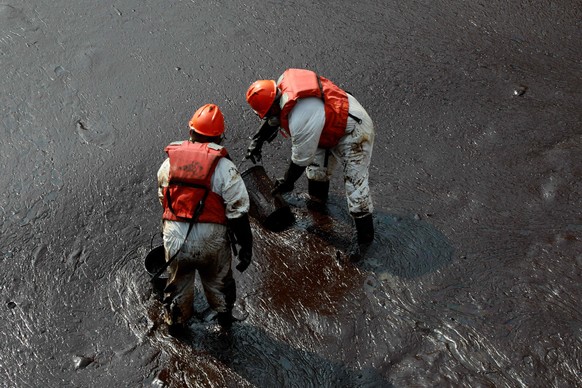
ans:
x=310 y=317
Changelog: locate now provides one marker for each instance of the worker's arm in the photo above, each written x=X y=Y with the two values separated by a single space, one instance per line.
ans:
x=228 y=182
x=266 y=132
x=163 y=178
x=288 y=182
x=306 y=122
x=241 y=228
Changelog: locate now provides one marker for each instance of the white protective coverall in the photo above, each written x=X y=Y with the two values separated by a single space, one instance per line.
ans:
x=354 y=150
x=207 y=249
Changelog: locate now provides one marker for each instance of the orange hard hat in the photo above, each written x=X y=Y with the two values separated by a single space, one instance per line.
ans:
x=261 y=95
x=208 y=121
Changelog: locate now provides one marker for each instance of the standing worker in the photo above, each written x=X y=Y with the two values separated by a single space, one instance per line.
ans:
x=203 y=195
x=326 y=125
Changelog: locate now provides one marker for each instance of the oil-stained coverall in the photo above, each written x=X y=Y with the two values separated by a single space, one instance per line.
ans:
x=327 y=126
x=353 y=152
x=207 y=248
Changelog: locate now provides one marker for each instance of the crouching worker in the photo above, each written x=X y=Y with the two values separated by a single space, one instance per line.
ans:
x=327 y=126
x=203 y=196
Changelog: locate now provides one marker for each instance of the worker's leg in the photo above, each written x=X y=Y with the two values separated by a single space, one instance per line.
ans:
x=355 y=151
x=198 y=252
x=219 y=284
x=179 y=292
x=318 y=174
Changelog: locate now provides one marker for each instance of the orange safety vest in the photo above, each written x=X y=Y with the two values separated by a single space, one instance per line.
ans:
x=189 y=187
x=298 y=83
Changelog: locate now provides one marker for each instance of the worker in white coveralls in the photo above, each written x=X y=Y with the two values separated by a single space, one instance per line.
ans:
x=327 y=125
x=203 y=196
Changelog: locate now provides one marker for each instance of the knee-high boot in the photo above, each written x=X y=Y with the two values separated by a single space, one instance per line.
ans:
x=318 y=190
x=364 y=236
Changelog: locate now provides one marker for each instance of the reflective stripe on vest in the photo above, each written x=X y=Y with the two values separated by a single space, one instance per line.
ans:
x=191 y=168
x=298 y=83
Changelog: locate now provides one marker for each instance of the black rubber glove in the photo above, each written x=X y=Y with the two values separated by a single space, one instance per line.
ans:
x=241 y=228
x=287 y=184
x=244 y=256
x=266 y=132
x=254 y=151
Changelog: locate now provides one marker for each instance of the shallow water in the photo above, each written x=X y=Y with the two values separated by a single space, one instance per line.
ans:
x=474 y=276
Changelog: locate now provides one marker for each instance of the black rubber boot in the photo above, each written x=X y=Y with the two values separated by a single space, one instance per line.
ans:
x=365 y=228
x=364 y=236
x=318 y=190
x=175 y=327
x=225 y=320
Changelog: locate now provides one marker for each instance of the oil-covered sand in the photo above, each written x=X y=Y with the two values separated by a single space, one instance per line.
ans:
x=474 y=276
